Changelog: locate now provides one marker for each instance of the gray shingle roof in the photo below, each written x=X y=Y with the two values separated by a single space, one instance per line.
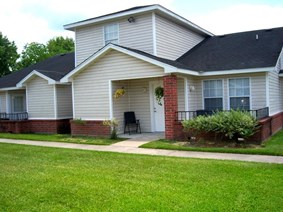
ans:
x=243 y=50
x=55 y=68
x=160 y=59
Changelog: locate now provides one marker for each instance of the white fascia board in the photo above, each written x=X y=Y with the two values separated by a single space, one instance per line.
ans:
x=108 y=17
x=279 y=59
x=10 y=89
x=68 y=77
x=224 y=72
x=72 y=26
x=34 y=72
x=237 y=71
x=167 y=68
x=184 y=71
x=183 y=20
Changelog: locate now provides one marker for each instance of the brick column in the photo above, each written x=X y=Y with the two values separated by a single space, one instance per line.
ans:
x=170 y=104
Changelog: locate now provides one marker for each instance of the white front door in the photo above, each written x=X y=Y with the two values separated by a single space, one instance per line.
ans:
x=157 y=110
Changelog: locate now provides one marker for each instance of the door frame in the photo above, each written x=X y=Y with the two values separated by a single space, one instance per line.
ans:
x=151 y=96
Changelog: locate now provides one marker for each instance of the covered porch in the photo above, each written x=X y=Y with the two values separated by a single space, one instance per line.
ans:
x=139 y=97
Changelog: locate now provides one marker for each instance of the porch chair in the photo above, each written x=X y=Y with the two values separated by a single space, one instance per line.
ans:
x=131 y=121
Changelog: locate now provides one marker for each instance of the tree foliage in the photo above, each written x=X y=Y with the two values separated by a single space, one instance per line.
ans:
x=32 y=53
x=8 y=55
x=59 y=45
x=36 y=52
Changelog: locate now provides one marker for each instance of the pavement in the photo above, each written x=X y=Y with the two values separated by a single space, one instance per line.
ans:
x=122 y=148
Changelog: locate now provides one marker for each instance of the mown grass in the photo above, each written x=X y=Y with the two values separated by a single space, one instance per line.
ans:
x=273 y=146
x=50 y=179
x=61 y=138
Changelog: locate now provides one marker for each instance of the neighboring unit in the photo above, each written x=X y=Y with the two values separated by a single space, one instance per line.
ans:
x=140 y=49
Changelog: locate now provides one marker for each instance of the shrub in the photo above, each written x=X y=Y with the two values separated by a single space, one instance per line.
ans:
x=79 y=121
x=113 y=124
x=232 y=124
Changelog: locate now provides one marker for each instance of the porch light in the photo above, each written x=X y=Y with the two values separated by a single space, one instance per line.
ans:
x=131 y=19
x=191 y=88
x=144 y=89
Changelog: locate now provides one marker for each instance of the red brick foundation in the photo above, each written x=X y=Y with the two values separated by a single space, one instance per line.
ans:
x=170 y=105
x=268 y=127
x=36 y=126
x=89 y=128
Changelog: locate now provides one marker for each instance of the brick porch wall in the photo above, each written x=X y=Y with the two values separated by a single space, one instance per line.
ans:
x=90 y=128
x=170 y=105
x=268 y=127
x=36 y=126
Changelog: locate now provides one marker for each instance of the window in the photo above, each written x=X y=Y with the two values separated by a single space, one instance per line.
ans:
x=239 y=93
x=111 y=34
x=213 y=94
x=18 y=104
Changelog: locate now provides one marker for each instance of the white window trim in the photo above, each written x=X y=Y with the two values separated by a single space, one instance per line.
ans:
x=212 y=97
x=228 y=91
x=154 y=34
x=118 y=28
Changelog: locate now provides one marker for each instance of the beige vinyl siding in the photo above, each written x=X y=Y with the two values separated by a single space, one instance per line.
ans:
x=91 y=86
x=257 y=88
x=3 y=102
x=194 y=97
x=139 y=101
x=88 y=40
x=64 y=101
x=120 y=105
x=274 y=90
x=40 y=99
x=136 y=35
x=181 y=94
x=173 y=40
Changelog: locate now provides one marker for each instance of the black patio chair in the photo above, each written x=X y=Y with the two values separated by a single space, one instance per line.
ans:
x=130 y=121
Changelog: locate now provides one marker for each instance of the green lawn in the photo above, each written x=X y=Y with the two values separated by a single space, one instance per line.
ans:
x=273 y=146
x=50 y=179
x=61 y=138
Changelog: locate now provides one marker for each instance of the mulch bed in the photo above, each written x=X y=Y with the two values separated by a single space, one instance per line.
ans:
x=222 y=144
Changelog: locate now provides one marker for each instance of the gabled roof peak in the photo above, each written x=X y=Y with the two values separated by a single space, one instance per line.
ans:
x=138 y=10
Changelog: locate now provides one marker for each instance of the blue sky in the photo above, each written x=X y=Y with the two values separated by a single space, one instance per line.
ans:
x=25 y=21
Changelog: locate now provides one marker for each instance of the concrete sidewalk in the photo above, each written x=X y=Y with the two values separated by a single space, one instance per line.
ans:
x=135 y=150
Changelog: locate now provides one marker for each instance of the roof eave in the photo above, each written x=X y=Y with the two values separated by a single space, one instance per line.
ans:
x=10 y=88
x=72 y=26
x=223 y=72
x=35 y=73
x=167 y=68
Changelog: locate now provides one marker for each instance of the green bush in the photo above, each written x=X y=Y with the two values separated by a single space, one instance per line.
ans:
x=232 y=124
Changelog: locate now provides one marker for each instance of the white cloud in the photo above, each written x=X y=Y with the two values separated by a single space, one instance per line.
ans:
x=25 y=21
x=242 y=17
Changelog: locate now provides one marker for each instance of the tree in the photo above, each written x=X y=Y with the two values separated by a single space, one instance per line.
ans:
x=60 y=45
x=32 y=53
x=36 y=52
x=8 y=55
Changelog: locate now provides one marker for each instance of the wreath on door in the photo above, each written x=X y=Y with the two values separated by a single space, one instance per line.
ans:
x=159 y=93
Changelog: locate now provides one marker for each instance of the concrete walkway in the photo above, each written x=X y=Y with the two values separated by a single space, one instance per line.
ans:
x=135 y=150
x=136 y=140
